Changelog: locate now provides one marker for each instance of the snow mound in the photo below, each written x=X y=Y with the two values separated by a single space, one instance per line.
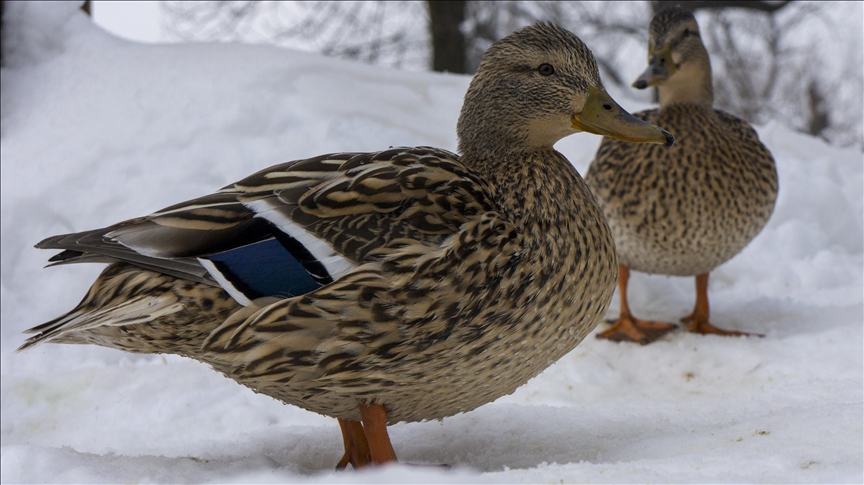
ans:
x=96 y=130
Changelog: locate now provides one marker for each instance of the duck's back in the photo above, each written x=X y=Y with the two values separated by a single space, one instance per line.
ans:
x=432 y=306
x=686 y=209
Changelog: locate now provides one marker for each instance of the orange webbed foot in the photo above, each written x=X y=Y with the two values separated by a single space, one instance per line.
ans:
x=702 y=326
x=356 y=447
x=697 y=321
x=629 y=329
x=367 y=442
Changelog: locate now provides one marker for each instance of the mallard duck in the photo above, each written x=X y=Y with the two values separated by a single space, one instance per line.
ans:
x=404 y=285
x=682 y=210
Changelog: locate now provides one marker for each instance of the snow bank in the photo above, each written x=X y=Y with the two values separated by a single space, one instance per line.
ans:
x=96 y=130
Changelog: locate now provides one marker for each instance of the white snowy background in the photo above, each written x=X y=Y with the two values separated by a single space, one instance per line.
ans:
x=96 y=129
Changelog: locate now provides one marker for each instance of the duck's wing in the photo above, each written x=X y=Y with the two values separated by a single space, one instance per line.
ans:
x=164 y=243
x=294 y=227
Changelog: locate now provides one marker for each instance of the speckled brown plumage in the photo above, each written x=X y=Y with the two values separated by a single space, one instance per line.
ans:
x=461 y=277
x=686 y=209
x=484 y=311
x=141 y=311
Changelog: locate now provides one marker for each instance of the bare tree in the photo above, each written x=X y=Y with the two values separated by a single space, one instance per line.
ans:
x=764 y=71
x=209 y=21
x=389 y=33
x=448 y=41
x=762 y=68
x=819 y=118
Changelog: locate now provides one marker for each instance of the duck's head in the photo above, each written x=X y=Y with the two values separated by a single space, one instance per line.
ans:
x=536 y=86
x=678 y=63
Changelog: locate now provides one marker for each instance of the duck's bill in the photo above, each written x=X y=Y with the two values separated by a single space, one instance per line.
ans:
x=658 y=71
x=655 y=75
x=651 y=77
x=601 y=115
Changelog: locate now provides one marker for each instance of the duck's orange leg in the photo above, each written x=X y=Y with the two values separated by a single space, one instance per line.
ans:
x=628 y=328
x=697 y=322
x=375 y=425
x=356 y=447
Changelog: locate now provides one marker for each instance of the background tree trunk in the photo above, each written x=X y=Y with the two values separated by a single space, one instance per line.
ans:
x=819 y=114
x=2 y=2
x=448 y=41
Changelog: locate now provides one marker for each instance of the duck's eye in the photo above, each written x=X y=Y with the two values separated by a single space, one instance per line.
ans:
x=686 y=33
x=546 y=70
x=607 y=106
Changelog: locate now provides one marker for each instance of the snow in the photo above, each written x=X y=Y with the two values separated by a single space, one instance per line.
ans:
x=135 y=20
x=96 y=129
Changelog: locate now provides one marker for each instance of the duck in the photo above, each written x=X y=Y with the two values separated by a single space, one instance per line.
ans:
x=403 y=285
x=682 y=210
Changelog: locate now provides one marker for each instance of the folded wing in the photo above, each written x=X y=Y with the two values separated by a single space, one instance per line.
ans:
x=294 y=227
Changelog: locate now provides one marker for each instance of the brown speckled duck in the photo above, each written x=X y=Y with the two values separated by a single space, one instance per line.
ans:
x=686 y=209
x=403 y=285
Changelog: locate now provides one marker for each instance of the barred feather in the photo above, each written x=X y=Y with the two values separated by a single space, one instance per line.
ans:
x=440 y=283
x=685 y=209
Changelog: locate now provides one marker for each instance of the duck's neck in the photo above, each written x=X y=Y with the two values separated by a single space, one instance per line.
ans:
x=532 y=188
x=691 y=84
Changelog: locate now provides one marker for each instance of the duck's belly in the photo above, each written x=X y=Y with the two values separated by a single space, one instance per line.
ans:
x=685 y=224
x=681 y=244
x=431 y=388
x=682 y=220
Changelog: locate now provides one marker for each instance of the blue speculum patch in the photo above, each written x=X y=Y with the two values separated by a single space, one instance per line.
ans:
x=264 y=268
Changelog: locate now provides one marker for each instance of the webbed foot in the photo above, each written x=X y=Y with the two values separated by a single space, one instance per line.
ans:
x=701 y=325
x=356 y=447
x=629 y=329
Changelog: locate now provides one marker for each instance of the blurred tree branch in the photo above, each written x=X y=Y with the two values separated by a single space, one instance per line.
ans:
x=693 y=5
x=762 y=68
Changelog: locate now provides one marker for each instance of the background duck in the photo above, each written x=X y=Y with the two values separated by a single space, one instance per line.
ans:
x=402 y=285
x=687 y=209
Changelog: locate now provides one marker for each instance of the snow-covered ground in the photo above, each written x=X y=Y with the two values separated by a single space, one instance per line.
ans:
x=96 y=129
